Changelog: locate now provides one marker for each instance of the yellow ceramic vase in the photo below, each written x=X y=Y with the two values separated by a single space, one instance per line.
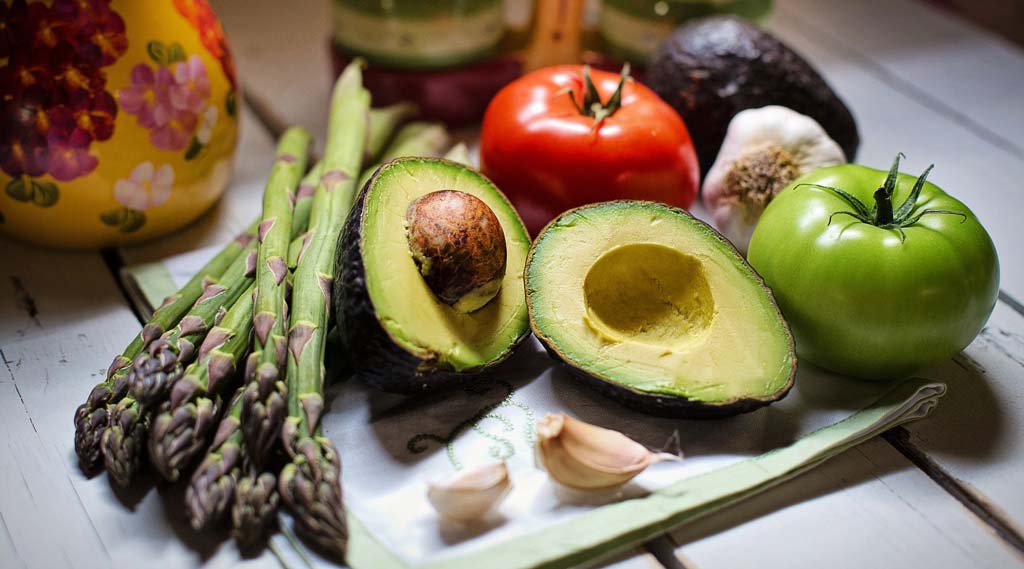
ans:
x=118 y=120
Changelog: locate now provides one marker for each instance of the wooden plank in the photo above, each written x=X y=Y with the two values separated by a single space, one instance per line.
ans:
x=979 y=173
x=867 y=507
x=977 y=434
x=945 y=61
x=35 y=305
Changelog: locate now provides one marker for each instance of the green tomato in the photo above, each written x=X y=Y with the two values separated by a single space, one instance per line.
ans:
x=879 y=274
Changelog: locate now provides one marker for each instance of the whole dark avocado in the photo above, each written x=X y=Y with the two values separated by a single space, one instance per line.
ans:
x=713 y=68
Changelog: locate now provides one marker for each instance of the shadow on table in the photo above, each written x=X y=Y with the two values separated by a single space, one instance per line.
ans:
x=843 y=472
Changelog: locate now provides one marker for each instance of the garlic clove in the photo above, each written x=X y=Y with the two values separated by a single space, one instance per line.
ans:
x=471 y=494
x=584 y=456
x=764 y=150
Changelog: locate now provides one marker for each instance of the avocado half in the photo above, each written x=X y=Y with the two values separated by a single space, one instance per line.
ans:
x=658 y=311
x=398 y=333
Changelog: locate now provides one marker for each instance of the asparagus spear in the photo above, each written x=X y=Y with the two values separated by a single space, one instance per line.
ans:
x=254 y=512
x=155 y=371
x=212 y=488
x=383 y=122
x=263 y=405
x=310 y=484
x=413 y=139
x=181 y=428
x=92 y=417
x=459 y=153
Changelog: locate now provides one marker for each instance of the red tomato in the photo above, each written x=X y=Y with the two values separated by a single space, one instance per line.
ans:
x=548 y=156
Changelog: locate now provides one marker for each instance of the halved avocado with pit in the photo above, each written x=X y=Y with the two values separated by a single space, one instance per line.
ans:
x=658 y=311
x=430 y=276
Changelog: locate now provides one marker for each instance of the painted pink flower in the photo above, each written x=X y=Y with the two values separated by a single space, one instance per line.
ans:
x=146 y=187
x=149 y=98
x=191 y=86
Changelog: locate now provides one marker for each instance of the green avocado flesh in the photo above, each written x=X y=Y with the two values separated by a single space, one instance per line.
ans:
x=644 y=297
x=407 y=309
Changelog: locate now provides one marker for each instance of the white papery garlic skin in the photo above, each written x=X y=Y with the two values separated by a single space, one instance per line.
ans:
x=764 y=150
x=587 y=457
x=471 y=494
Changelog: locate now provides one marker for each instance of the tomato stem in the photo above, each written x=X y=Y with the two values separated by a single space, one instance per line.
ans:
x=883 y=206
x=592 y=105
x=882 y=214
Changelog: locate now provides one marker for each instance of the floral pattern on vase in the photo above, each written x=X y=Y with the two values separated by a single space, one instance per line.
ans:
x=170 y=99
x=145 y=188
x=53 y=98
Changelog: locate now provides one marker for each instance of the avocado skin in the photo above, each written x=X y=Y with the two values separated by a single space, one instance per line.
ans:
x=375 y=357
x=713 y=68
x=663 y=405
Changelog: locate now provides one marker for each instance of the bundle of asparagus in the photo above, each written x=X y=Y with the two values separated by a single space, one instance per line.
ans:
x=264 y=300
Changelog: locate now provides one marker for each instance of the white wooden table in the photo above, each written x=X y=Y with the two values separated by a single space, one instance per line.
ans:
x=945 y=492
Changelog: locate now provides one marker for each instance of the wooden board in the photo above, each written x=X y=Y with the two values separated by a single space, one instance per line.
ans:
x=864 y=508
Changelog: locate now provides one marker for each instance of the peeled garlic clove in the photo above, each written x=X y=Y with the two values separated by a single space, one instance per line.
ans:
x=585 y=456
x=764 y=150
x=471 y=494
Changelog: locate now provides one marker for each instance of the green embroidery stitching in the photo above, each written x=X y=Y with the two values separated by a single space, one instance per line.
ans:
x=502 y=449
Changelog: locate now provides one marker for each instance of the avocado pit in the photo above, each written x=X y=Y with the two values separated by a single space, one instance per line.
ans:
x=459 y=247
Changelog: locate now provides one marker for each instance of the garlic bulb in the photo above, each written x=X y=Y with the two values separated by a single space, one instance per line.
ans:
x=471 y=494
x=585 y=456
x=764 y=150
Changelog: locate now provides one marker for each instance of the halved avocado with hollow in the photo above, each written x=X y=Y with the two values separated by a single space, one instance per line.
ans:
x=430 y=269
x=658 y=311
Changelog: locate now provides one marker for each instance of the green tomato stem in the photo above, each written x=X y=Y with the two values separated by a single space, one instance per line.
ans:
x=883 y=207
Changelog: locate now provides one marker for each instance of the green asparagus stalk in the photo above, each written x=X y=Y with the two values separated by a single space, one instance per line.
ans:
x=309 y=483
x=383 y=122
x=459 y=153
x=154 y=372
x=181 y=429
x=92 y=417
x=304 y=200
x=212 y=489
x=413 y=139
x=264 y=405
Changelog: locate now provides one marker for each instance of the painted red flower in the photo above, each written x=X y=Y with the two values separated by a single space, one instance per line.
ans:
x=71 y=75
x=46 y=31
x=96 y=32
x=24 y=70
x=91 y=113
x=52 y=85
x=69 y=155
x=22 y=151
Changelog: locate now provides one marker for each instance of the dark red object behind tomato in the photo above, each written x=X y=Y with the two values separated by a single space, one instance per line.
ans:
x=548 y=156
